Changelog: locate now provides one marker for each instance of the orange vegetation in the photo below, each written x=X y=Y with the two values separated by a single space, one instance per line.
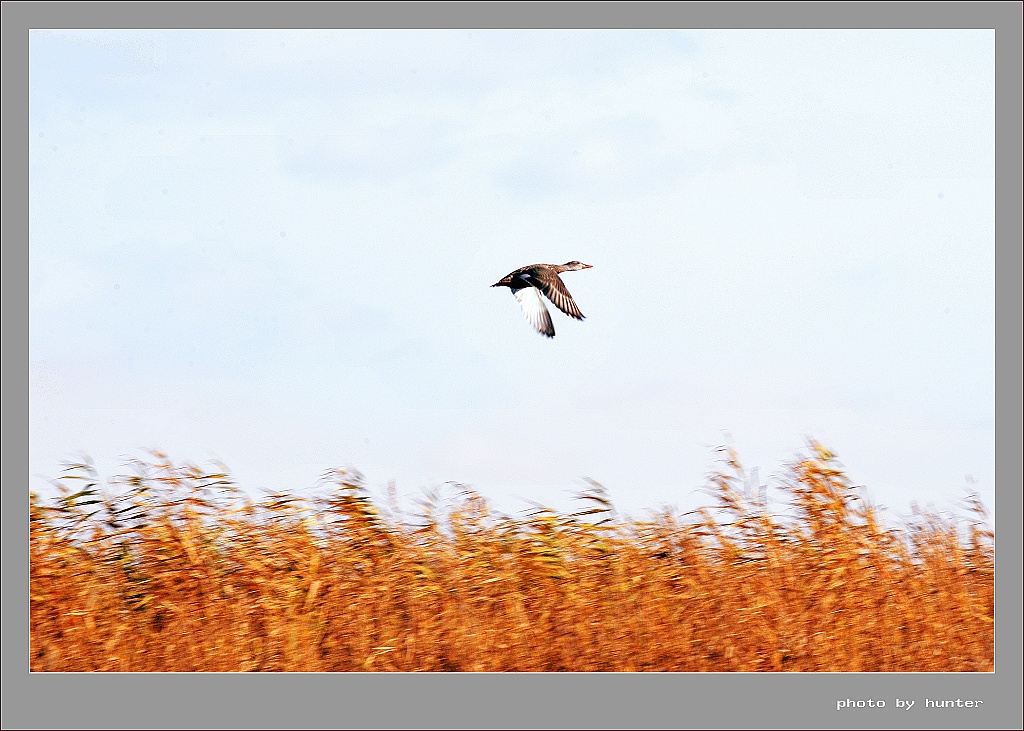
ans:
x=174 y=569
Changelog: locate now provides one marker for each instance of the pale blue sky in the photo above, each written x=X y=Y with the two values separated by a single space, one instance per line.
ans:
x=275 y=248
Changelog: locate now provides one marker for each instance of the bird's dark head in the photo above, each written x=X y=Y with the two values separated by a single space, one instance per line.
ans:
x=575 y=266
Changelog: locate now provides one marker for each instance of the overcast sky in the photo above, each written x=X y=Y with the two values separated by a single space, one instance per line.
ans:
x=275 y=248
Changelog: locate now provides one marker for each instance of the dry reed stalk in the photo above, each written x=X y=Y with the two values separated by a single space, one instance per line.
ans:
x=174 y=569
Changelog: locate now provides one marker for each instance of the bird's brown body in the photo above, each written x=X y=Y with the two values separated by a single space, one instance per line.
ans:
x=527 y=283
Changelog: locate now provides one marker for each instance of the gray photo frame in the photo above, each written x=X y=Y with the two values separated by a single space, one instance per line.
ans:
x=505 y=701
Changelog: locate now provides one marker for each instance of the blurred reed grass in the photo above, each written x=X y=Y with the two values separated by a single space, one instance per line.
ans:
x=174 y=568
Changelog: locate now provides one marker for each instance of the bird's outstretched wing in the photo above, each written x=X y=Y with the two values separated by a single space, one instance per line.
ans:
x=535 y=311
x=551 y=285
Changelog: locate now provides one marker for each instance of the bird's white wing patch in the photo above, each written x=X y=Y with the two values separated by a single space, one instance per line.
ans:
x=535 y=311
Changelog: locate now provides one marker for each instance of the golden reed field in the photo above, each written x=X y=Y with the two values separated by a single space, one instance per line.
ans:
x=175 y=569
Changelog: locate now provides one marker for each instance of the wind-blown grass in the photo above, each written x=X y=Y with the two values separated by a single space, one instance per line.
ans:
x=175 y=569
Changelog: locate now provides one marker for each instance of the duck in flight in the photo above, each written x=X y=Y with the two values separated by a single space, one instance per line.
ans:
x=527 y=284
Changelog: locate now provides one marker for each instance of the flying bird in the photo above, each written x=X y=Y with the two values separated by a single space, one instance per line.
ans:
x=527 y=284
